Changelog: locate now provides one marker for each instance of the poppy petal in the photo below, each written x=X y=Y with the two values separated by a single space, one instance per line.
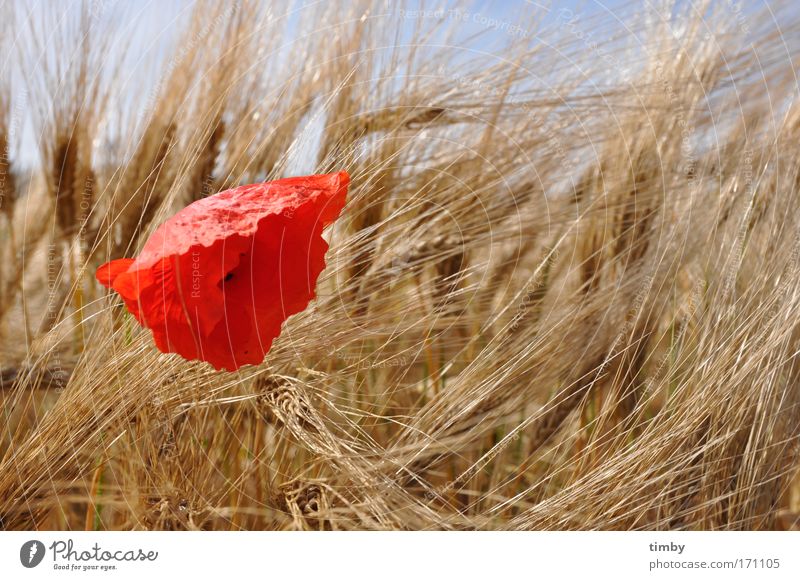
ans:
x=110 y=270
x=217 y=280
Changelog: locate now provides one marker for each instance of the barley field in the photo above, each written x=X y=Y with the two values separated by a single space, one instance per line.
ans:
x=564 y=292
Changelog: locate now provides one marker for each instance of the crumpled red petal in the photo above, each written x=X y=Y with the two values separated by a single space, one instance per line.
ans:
x=107 y=273
x=217 y=280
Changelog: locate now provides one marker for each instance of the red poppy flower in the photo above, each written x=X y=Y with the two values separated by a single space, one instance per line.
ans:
x=216 y=281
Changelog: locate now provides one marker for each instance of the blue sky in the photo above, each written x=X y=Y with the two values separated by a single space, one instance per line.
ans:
x=147 y=29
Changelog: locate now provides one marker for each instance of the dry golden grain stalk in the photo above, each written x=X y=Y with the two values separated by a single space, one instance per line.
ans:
x=564 y=292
